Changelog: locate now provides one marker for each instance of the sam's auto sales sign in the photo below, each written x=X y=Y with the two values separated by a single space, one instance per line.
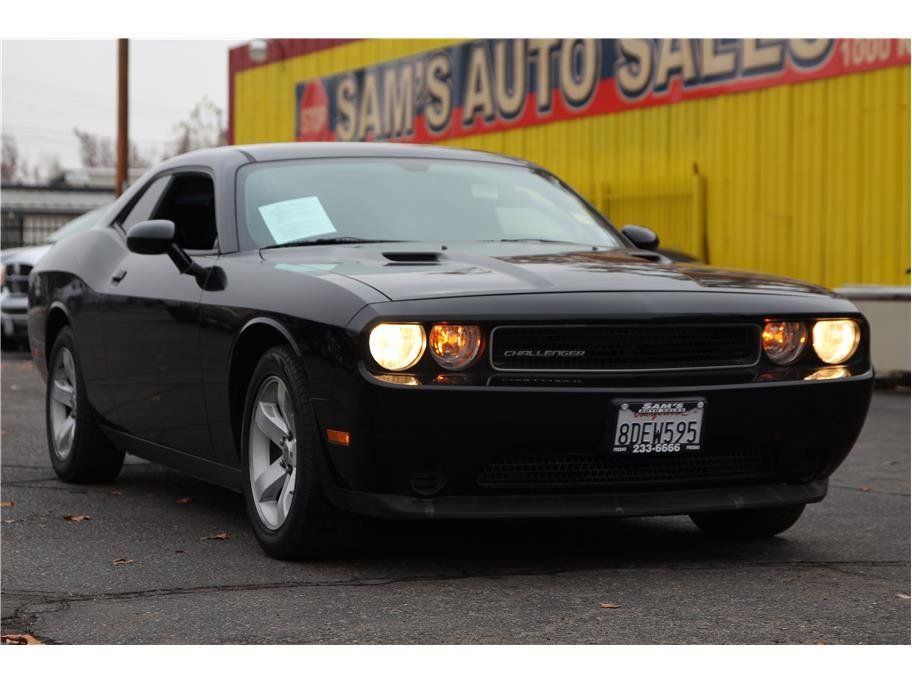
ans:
x=493 y=85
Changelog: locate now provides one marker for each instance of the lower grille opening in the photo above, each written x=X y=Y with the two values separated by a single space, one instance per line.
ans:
x=627 y=471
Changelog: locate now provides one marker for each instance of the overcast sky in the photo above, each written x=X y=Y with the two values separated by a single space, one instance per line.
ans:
x=50 y=87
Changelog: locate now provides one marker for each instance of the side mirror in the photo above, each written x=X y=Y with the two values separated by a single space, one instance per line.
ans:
x=151 y=237
x=642 y=237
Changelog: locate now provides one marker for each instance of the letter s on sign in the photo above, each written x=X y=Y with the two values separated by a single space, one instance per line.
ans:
x=439 y=107
x=633 y=69
x=346 y=97
x=809 y=53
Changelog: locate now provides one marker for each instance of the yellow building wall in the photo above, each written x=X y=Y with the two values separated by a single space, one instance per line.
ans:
x=809 y=180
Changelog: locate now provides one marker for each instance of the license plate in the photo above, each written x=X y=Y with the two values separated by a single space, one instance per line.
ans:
x=658 y=426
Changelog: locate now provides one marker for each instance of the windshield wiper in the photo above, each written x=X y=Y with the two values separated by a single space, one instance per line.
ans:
x=327 y=240
x=535 y=240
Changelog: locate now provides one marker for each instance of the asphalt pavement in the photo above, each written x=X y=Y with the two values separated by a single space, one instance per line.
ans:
x=840 y=576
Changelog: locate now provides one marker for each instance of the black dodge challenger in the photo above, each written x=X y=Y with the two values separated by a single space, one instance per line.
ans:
x=402 y=331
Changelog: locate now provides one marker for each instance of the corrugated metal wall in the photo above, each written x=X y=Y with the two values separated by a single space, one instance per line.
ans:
x=808 y=180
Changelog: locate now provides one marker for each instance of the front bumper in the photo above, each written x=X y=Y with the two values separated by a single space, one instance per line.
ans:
x=428 y=452
x=577 y=506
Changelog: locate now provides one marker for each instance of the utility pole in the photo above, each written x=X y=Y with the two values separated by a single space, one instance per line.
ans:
x=123 y=132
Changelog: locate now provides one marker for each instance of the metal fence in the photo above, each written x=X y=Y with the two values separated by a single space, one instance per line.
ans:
x=26 y=229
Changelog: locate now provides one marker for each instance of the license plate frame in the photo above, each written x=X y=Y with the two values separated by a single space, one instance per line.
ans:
x=642 y=415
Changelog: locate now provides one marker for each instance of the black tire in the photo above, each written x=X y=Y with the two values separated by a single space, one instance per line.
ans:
x=313 y=528
x=91 y=457
x=749 y=523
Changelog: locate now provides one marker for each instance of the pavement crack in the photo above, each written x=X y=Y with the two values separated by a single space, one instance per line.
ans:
x=50 y=599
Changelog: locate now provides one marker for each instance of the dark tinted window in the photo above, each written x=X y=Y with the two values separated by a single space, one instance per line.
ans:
x=190 y=204
x=143 y=208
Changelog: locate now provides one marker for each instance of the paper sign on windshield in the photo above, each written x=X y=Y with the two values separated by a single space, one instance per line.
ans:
x=293 y=219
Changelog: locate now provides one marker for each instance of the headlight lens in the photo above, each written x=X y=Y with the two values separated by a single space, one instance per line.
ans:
x=836 y=340
x=454 y=346
x=397 y=346
x=783 y=341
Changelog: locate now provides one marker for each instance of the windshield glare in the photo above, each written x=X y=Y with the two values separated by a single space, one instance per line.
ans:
x=398 y=199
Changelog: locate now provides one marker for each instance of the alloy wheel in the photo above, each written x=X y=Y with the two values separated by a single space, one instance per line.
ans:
x=272 y=452
x=63 y=403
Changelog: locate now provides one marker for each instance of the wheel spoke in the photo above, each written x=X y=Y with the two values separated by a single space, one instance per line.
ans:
x=63 y=393
x=68 y=367
x=283 y=400
x=270 y=422
x=283 y=504
x=267 y=485
x=64 y=435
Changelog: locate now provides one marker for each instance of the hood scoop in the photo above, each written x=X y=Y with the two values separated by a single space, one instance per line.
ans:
x=412 y=257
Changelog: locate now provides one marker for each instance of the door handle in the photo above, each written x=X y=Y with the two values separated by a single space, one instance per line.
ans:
x=118 y=277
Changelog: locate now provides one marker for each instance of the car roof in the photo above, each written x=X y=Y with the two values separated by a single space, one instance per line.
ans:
x=322 y=150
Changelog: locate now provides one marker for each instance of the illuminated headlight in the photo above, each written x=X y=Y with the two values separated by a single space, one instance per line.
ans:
x=397 y=346
x=454 y=346
x=783 y=341
x=836 y=340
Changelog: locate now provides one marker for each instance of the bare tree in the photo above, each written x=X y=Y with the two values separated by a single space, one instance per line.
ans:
x=137 y=159
x=51 y=171
x=10 y=165
x=204 y=128
x=95 y=151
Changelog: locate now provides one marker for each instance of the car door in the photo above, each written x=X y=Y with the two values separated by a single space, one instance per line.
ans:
x=153 y=311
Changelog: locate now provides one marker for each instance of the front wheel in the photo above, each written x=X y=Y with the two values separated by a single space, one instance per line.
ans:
x=749 y=523
x=80 y=452
x=285 y=503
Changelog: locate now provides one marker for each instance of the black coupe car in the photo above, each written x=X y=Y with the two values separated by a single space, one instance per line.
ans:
x=403 y=331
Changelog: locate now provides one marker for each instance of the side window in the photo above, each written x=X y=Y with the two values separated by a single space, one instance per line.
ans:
x=190 y=204
x=143 y=208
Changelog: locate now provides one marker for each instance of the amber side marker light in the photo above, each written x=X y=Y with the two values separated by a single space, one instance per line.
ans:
x=338 y=437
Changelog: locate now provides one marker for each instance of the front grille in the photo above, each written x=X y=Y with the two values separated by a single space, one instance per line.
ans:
x=17 y=276
x=626 y=471
x=589 y=348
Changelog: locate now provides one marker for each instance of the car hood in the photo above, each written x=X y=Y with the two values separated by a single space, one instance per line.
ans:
x=29 y=255
x=408 y=271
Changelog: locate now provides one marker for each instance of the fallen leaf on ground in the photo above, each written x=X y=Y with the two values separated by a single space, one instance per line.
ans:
x=609 y=605
x=10 y=638
x=865 y=489
x=184 y=500
x=122 y=562
x=77 y=517
x=902 y=596
x=7 y=504
x=217 y=536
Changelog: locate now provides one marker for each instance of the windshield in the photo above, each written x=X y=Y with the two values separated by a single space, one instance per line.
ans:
x=399 y=199
x=84 y=222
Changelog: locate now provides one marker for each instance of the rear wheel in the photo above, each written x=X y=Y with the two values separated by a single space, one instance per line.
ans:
x=749 y=523
x=80 y=452
x=285 y=502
